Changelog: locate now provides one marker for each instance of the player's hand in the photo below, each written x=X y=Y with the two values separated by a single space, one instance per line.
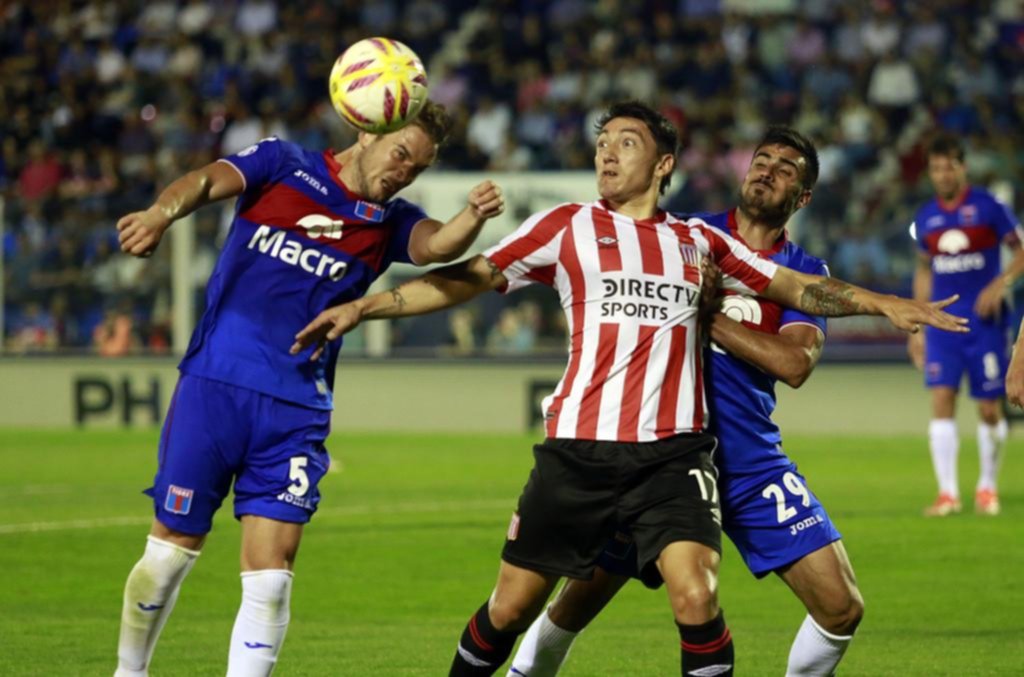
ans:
x=1015 y=378
x=910 y=315
x=710 y=298
x=328 y=326
x=990 y=301
x=915 y=348
x=486 y=200
x=140 y=232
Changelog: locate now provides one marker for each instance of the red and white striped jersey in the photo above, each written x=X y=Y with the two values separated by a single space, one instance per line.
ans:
x=630 y=290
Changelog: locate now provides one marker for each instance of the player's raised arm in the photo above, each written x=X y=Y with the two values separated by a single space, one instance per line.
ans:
x=441 y=288
x=140 y=232
x=830 y=297
x=435 y=242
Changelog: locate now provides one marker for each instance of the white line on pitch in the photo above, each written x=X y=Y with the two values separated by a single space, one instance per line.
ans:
x=383 y=509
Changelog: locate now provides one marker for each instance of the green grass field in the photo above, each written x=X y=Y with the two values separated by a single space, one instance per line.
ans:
x=406 y=544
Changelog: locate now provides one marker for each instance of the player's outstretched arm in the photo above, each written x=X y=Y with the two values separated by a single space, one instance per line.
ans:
x=441 y=288
x=830 y=297
x=436 y=242
x=991 y=299
x=140 y=232
x=789 y=356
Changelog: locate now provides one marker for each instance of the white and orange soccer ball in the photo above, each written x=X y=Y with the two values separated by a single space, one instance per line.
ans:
x=378 y=85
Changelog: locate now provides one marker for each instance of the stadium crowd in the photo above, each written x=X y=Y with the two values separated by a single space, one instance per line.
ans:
x=102 y=103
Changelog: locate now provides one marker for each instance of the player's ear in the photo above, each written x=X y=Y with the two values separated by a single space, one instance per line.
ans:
x=665 y=165
x=804 y=199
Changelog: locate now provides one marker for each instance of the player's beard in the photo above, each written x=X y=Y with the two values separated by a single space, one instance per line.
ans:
x=759 y=208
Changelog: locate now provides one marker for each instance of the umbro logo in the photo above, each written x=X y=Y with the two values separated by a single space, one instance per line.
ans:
x=607 y=241
x=711 y=670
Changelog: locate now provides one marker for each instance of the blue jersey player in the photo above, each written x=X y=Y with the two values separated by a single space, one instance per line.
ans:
x=775 y=521
x=960 y=234
x=311 y=229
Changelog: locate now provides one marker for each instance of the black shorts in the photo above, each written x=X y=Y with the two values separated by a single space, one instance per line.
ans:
x=581 y=491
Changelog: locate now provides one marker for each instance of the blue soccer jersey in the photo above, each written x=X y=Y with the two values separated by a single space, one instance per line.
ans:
x=300 y=242
x=963 y=240
x=741 y=396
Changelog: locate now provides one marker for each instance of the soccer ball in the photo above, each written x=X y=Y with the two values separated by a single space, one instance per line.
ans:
x=378 y=85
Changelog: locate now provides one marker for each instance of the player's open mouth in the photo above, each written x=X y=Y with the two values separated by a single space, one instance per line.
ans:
x=386 y=185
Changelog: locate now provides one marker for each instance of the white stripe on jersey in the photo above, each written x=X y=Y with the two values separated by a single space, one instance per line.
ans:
x=630 y=291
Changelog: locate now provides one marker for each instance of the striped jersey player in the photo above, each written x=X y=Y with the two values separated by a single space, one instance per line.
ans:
x=310 y=229
x=630 y=290
x=626 y=443
x=960 y=236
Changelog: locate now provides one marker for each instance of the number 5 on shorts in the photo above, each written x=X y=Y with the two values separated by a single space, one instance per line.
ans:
x=297 y=474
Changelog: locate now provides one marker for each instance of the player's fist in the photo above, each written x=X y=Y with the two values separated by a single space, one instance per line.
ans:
x=990 y=300
x=140 y=232
x=486 y=200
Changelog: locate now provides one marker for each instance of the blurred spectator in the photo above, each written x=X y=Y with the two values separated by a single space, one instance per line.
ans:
x=115 y=335
x=103 y=102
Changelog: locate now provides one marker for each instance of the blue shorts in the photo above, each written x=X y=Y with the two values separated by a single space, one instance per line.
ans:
x=773 y=519
x=215 y=433
x=982 y=354
x=762 y=515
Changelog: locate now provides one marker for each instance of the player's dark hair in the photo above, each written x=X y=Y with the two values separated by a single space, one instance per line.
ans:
x=433 y=118
x=947 y=145
x=789 y=137
x=666 y=138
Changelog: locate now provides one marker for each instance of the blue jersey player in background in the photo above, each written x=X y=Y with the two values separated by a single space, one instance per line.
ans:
x=960 y=234
x=776 y=522
x=311 y=229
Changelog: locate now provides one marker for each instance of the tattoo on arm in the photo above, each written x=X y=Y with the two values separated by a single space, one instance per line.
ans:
x=397 y=298
x=830 y=297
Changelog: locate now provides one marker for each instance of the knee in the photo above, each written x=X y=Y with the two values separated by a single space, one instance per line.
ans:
x=843 y=617
x=694 y=601
x=511 y=615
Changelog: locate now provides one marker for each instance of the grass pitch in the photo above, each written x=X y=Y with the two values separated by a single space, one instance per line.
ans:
x=406 y=545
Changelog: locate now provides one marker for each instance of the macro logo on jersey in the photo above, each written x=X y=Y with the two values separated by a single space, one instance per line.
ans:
x=956 y=250
x=273 y=243
x=179 y=500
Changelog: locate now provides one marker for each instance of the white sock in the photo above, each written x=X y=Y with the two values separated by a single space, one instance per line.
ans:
x=544 y=648
x=149 y=596
x=991 y=439
x=815 y=653
x=945 y=444
x=261 y=623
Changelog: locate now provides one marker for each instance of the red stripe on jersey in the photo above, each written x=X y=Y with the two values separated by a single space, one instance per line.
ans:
x=698 y=390
x=633 y=389
x=976 y=238
x=607 y=242
x=282 y=206
x=590 y=404
x=544 y=275
x=732 y=266
x=577 y=286
x=669 y=396
x=650 y=250
x=542 y=233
